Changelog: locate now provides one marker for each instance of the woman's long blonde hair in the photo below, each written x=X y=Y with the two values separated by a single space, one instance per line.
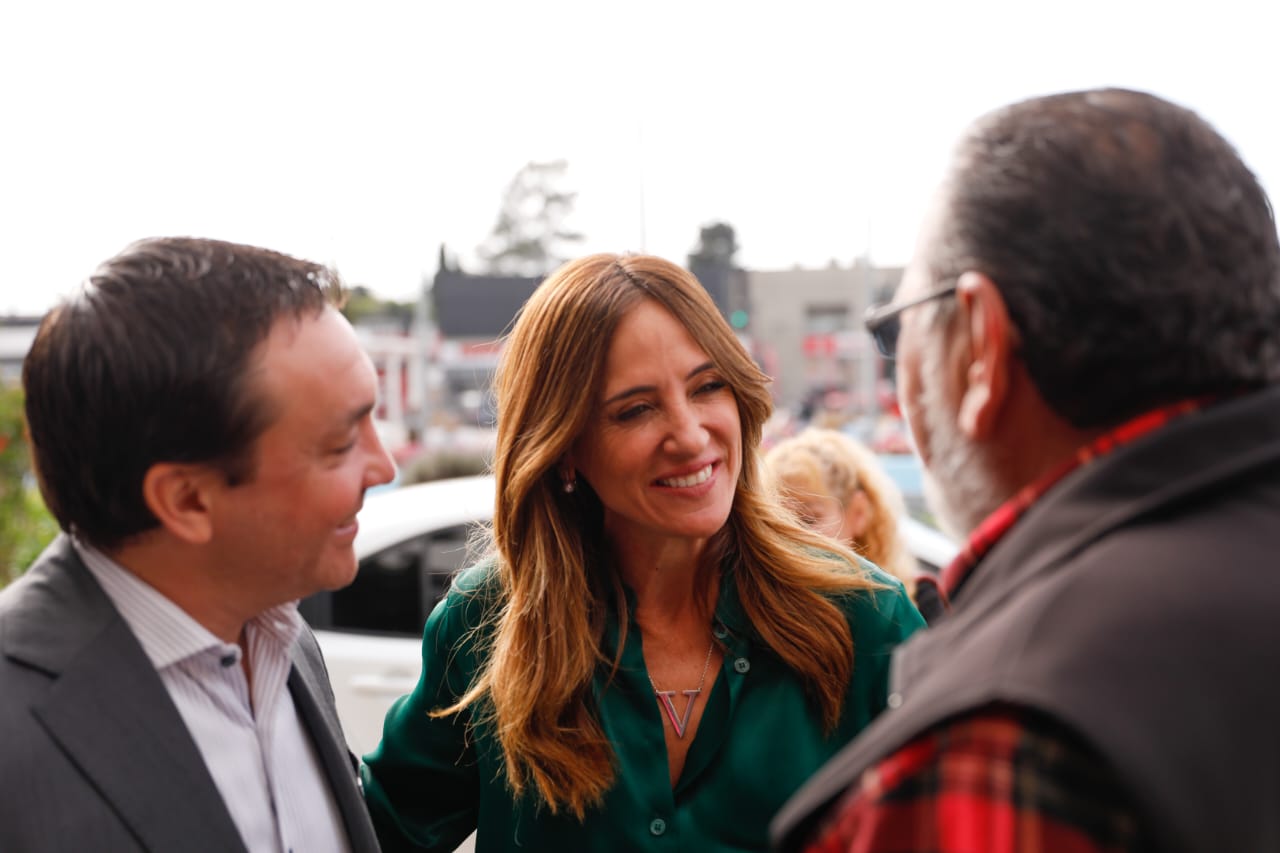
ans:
x=554 y=588
x=828 y=463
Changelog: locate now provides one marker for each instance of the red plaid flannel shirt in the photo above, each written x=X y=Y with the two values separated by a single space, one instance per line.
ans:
x=1001 y=779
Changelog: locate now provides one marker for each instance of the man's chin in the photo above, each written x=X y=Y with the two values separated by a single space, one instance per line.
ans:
x=341 y=571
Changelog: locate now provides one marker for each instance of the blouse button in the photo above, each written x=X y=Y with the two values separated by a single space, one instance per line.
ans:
x=719 y=632
x=657 y=826
x=741 y=665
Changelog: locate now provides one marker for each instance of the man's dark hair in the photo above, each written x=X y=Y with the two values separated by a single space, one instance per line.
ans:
x=1136 y=252
x=151 y=361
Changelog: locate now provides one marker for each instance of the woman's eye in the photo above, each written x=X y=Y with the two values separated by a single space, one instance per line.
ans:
x=632 y=412
x=711 y=387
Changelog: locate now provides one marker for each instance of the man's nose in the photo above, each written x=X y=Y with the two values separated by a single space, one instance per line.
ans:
x=381 y=468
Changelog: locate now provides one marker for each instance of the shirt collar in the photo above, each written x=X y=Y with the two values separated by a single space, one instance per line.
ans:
x=728 y=612
x=995 y=526
x=166 y=632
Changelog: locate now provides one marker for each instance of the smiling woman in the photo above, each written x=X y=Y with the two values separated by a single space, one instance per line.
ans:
x=664 y=449
x=652 y=627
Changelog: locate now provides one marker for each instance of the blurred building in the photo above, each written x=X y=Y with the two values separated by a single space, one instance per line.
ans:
x=806 y=325
x=471 y=314
x=713 y=263
x=16 y=335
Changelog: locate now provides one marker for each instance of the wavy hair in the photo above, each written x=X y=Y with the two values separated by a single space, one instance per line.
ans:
x=828 y=463
x=554 y=590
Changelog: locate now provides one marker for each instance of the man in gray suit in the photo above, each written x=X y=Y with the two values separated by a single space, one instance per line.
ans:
x=200 y=415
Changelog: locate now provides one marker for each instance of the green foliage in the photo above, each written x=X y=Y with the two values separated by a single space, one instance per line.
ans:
x=363 y=306
x=25 y=525
x=442 y=465
x=717 y=245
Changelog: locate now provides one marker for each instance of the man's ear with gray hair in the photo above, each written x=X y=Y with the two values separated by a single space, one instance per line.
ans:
x=992 y=342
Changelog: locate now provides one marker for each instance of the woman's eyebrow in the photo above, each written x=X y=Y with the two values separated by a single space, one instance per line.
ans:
x=645 y=389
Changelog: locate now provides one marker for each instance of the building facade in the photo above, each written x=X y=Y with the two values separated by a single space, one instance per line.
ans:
x=16 y=335
x=806 y=327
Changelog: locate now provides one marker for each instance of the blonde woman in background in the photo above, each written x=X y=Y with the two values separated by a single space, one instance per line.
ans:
x=836 y=486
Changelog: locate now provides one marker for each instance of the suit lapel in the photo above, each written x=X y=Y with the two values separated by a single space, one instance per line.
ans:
x=308 y=683
x=109 y=712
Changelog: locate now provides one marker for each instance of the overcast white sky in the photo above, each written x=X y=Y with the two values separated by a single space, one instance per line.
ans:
x=366 y=134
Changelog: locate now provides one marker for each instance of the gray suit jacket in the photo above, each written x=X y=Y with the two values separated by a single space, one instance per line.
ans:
x=93 y=753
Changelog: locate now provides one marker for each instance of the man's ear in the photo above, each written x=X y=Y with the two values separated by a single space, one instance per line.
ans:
x=180 y=496
x=991 y=339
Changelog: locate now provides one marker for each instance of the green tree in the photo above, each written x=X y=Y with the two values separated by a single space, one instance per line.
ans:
x=363 y=306
x=530 y=236
x=717 y=246
x=25 y=525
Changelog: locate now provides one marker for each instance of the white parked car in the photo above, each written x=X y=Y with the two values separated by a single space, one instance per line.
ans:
x=411 y=541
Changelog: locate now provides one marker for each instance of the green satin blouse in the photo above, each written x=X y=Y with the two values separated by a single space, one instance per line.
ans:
x=429 y=785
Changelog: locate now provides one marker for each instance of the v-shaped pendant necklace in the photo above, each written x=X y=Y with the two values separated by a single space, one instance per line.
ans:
x=691 y=696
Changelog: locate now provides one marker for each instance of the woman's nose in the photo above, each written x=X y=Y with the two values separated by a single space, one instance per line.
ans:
x=687 y=435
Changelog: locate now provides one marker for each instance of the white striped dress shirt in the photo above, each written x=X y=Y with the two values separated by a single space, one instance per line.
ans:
x=252 y=741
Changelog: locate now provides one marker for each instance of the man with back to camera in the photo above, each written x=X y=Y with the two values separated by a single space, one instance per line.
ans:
x=201 y=421
x=1089 y=350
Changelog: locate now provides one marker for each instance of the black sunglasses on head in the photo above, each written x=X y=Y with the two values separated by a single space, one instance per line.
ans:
x=885 y=322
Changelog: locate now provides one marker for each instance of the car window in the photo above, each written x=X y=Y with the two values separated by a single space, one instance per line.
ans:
x=397 y=587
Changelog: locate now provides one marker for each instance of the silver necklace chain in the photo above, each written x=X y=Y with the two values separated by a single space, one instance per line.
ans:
x=706 y=667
